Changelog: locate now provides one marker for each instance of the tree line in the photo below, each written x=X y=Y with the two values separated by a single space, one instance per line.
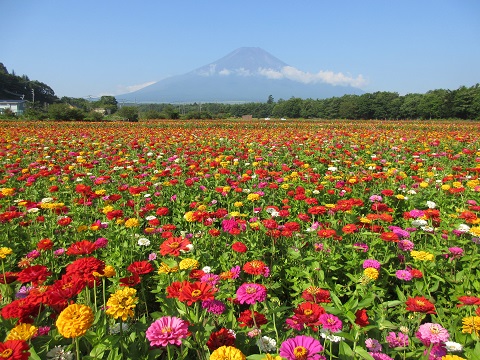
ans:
x=462 y=103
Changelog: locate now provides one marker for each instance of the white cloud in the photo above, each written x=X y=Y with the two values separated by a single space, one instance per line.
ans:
x=329 y=77
x=224 y=72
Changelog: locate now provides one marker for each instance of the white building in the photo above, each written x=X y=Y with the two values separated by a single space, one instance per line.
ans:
x=16 y=106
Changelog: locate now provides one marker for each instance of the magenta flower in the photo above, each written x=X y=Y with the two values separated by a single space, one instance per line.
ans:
x=301 y=347
x=404 y=275
x=249 y=293
x=430 y=333
x=167 y=330
x=330 y=322
x=397 y=339
x=371 y=263
x=380 y=356
x=405 y=245
x=373 y=345
x=214 y=306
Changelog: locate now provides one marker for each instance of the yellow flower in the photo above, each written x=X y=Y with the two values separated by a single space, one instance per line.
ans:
x=253 y=197
x=475 y=230
x=122 y=303
x=8 y=191
x=100 y=192
x=166 y=269
x=227 y=353
x=457 y=184
x=81 y=228
x=132 y=222
x=74 y=320
x=452 y=357
x=4 y=251
x=445 y=187
x=107 y=209
x=285 y=186
x=109 y=271
x=400 y=197
x=189 y=216
x=422 y=255
x=188 y=264
x=371 y=273
x=471 y=324
x=271 y=357
x=22 y=332
x=238 y=204
x=423 y=184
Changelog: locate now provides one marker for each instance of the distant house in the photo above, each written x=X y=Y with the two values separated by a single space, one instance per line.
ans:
x=247 y=117
x=16 y=106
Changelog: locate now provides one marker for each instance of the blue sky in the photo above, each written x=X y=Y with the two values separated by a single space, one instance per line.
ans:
x=91 y=47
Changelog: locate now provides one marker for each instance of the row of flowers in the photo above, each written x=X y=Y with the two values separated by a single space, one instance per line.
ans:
x=228 y=240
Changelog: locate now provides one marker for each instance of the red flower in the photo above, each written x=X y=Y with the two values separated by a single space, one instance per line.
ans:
x=64 y=221
x=140 y=267
x=239 y=247
x=83 y=247
x=45 y=244
x=326 y=233
x=309 y=313
x=162 y=211
x=84 y=268
x=24 y=310
x=468 y=300
x=416 y=274
x=222 y=337
x=14 y=350
x=130 y=281
x=173 y=246
x=270 y=224
x=173 y=291
x=316 y=295
x=361 y=317
x=389 y=237
x=8 y=277
x=63 y=290
x=420 y=304
x=198 y=291
x=35 y=274
x=350 y=228
x=255 y=267
x=250 y=318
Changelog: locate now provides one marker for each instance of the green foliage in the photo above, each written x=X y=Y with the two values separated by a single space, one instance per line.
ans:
x=128 y=113
x=65 y=112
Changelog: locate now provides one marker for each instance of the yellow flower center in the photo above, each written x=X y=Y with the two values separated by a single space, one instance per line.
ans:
x=6 y=353
x=173 y=245
x=167 y=329
x=308 y=312
x=434 y=330
x=250 y=290
x=300 y=353
x=196 y=293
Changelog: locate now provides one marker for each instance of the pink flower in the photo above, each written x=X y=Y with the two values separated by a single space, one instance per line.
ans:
x=249 y=293
x=301 y=347
x=404 y=275
x=373 y=345
x=167 y=330
x=397 y=339
x=330 y=322
x=371 y=263
x=214 y=306
x=405 y=245
x=380 y=356
x=430 y=333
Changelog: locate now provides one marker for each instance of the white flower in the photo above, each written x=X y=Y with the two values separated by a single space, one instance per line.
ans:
x=59 y=353
x=207 y=269
x=33 y=210
x=150 y=217
x=419 y=223
x=332 y=168
x=431 y=205
x=46 y=200
x=143 y=242
x=411 y=192
x=189 y=248
x=333 y=338
x=267 y=344
x=463 y=228
x=453 y=346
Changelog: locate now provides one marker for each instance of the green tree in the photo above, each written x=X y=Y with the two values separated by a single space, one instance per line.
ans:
x=65 y=112
x=109 y=103
x=128 y=113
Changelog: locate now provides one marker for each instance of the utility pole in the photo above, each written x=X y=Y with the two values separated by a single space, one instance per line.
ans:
x=33 y=96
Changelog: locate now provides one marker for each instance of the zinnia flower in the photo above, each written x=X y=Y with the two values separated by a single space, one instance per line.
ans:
x=222 y=337
x=397 y=339
x=227 y=353
x=14 y=350
x=301 y=347
x=167 y=330
x=471 y=325
x=198 y=291
x=75 y=320
x=420 y=304
x=330 y=322
x=122 y=303
x=22 y=332
x=174 y=245
x=249 y=293
x=430 y=333
x=250 y=318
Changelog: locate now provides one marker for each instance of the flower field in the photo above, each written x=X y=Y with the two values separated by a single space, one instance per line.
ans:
x=240 y=240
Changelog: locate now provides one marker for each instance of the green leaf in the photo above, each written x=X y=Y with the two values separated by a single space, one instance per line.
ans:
x=363 y=353
x=346 y=350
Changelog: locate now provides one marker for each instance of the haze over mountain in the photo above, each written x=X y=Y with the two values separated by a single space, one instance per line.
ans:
x=247 y=74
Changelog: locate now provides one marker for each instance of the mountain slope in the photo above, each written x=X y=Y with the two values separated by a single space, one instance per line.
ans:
x=246 y=74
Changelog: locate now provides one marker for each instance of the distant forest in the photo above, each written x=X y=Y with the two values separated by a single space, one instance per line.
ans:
x=462 y=103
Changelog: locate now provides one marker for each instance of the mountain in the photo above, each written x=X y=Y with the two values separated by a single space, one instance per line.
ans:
x=247 y=74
